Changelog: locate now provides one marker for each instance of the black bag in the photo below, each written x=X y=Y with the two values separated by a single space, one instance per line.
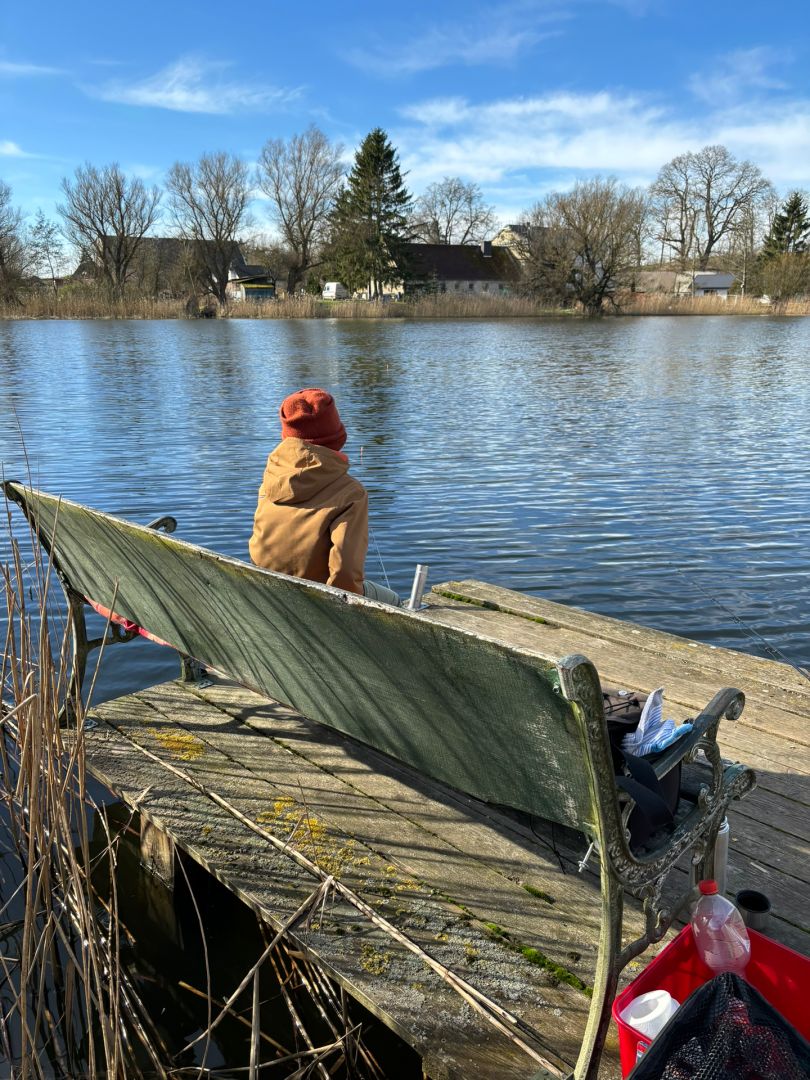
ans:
x=656 y=800
x=726 y=1030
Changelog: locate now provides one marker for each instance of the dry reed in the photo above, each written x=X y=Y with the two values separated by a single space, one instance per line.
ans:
x=664 y=304
x=91 y=305
x=66 y=1007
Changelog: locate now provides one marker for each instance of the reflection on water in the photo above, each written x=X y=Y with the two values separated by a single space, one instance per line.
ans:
x=630 y=466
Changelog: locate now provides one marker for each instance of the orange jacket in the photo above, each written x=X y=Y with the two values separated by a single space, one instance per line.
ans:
x=312 y=517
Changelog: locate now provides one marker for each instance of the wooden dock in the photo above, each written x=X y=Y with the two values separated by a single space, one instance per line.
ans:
x=241 y=784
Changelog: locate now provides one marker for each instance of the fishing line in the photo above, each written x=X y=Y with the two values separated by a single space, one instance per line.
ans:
x=379 y=556
x=374 y=541
x=773 y=650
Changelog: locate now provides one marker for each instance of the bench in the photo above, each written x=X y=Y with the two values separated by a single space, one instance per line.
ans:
x=496 y=722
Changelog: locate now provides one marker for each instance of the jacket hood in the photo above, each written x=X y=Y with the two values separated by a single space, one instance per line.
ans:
x=296 y=471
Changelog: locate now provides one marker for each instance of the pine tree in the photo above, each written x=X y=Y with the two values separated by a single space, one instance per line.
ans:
x=370 y=223
x=790 y=231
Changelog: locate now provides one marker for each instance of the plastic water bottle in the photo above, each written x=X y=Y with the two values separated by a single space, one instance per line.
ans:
x=721 y=938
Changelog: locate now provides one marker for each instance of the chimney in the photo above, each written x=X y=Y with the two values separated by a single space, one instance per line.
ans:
x=486 y=249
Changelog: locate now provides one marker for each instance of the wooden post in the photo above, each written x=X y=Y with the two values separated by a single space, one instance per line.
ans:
x=157 y=852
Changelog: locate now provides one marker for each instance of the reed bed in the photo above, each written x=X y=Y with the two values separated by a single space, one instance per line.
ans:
x=80 y=304
x=69 y=1006
x=429 y=306
x=663 y=304
x=87 y=305
x=66 y=1009
x=90 y=305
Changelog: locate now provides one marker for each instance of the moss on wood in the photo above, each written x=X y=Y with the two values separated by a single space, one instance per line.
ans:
x=546 y=897
x=557 y=972
x=490 y=606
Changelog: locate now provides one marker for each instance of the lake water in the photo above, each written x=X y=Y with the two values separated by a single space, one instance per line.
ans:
x=643 y=468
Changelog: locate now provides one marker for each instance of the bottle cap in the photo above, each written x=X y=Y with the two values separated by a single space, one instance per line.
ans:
x=708 y=887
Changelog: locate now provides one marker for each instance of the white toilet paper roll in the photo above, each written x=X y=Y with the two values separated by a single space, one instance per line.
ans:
x=649 y=1012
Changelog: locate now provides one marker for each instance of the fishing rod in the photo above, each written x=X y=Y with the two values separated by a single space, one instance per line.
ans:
x=774 y=651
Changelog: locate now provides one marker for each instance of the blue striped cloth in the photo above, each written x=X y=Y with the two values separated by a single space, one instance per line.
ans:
x=653 y=733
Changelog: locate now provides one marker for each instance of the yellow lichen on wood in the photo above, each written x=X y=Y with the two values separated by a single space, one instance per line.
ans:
x=181 y=744
x=307 y=833
x=372 y=960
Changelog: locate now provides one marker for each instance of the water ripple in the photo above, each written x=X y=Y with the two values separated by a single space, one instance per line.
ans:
x=630 y=466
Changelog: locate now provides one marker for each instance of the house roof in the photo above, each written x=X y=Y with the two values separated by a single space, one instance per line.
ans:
x=252 y=271
x=460 y=262
x=713 y=279
x=168 y=250
x=656 y=280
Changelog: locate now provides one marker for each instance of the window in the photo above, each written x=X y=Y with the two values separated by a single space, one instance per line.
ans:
x=471 y=286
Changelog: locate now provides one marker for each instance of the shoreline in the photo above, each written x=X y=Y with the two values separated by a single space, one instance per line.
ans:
x=424 y=308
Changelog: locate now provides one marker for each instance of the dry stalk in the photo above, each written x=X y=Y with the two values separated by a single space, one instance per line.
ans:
x=67 y=1008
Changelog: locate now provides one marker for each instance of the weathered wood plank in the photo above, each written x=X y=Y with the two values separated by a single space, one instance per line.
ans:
x=439 y=836
x=731 y=665
x=771 y=828
x=774 y=850
x=783 y=713
x=445 y=930
x=157 y=853
x=454 y=1042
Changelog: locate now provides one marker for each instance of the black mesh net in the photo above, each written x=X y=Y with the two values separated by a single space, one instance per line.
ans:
x=726 y=1030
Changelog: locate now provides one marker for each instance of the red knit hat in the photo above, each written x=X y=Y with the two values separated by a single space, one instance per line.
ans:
x=311 y=415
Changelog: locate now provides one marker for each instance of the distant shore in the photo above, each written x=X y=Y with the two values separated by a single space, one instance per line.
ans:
x=443 y=306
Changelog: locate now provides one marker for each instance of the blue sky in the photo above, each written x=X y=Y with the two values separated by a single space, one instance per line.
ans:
x=520 y=97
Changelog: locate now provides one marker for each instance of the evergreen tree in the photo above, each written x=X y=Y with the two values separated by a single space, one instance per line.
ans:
x=790 y=231
x=370 y=219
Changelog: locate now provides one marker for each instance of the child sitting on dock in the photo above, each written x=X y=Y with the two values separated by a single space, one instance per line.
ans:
x=311 y=520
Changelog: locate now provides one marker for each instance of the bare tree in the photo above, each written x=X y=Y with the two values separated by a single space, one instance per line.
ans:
x=301 y=178
x=703 y=198
x=108 y=214
x=46 y=250
x=209 y=202
x=674 y=209
x=452 y=212
x=583 y=244
x=13 y=255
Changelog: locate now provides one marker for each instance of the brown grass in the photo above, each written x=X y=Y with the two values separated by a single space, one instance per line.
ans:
x=662 y=304
x=87 y=305
x=81 y=305
x=444 y=306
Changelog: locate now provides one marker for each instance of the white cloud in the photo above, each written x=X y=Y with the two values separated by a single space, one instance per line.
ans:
x=776 y=137
x=736 y=73
x=13 y=70
x=560 y=131
x=518 y=148
x=494 y=38
x=196 y=86
x=11 y=149
x=148 y=173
